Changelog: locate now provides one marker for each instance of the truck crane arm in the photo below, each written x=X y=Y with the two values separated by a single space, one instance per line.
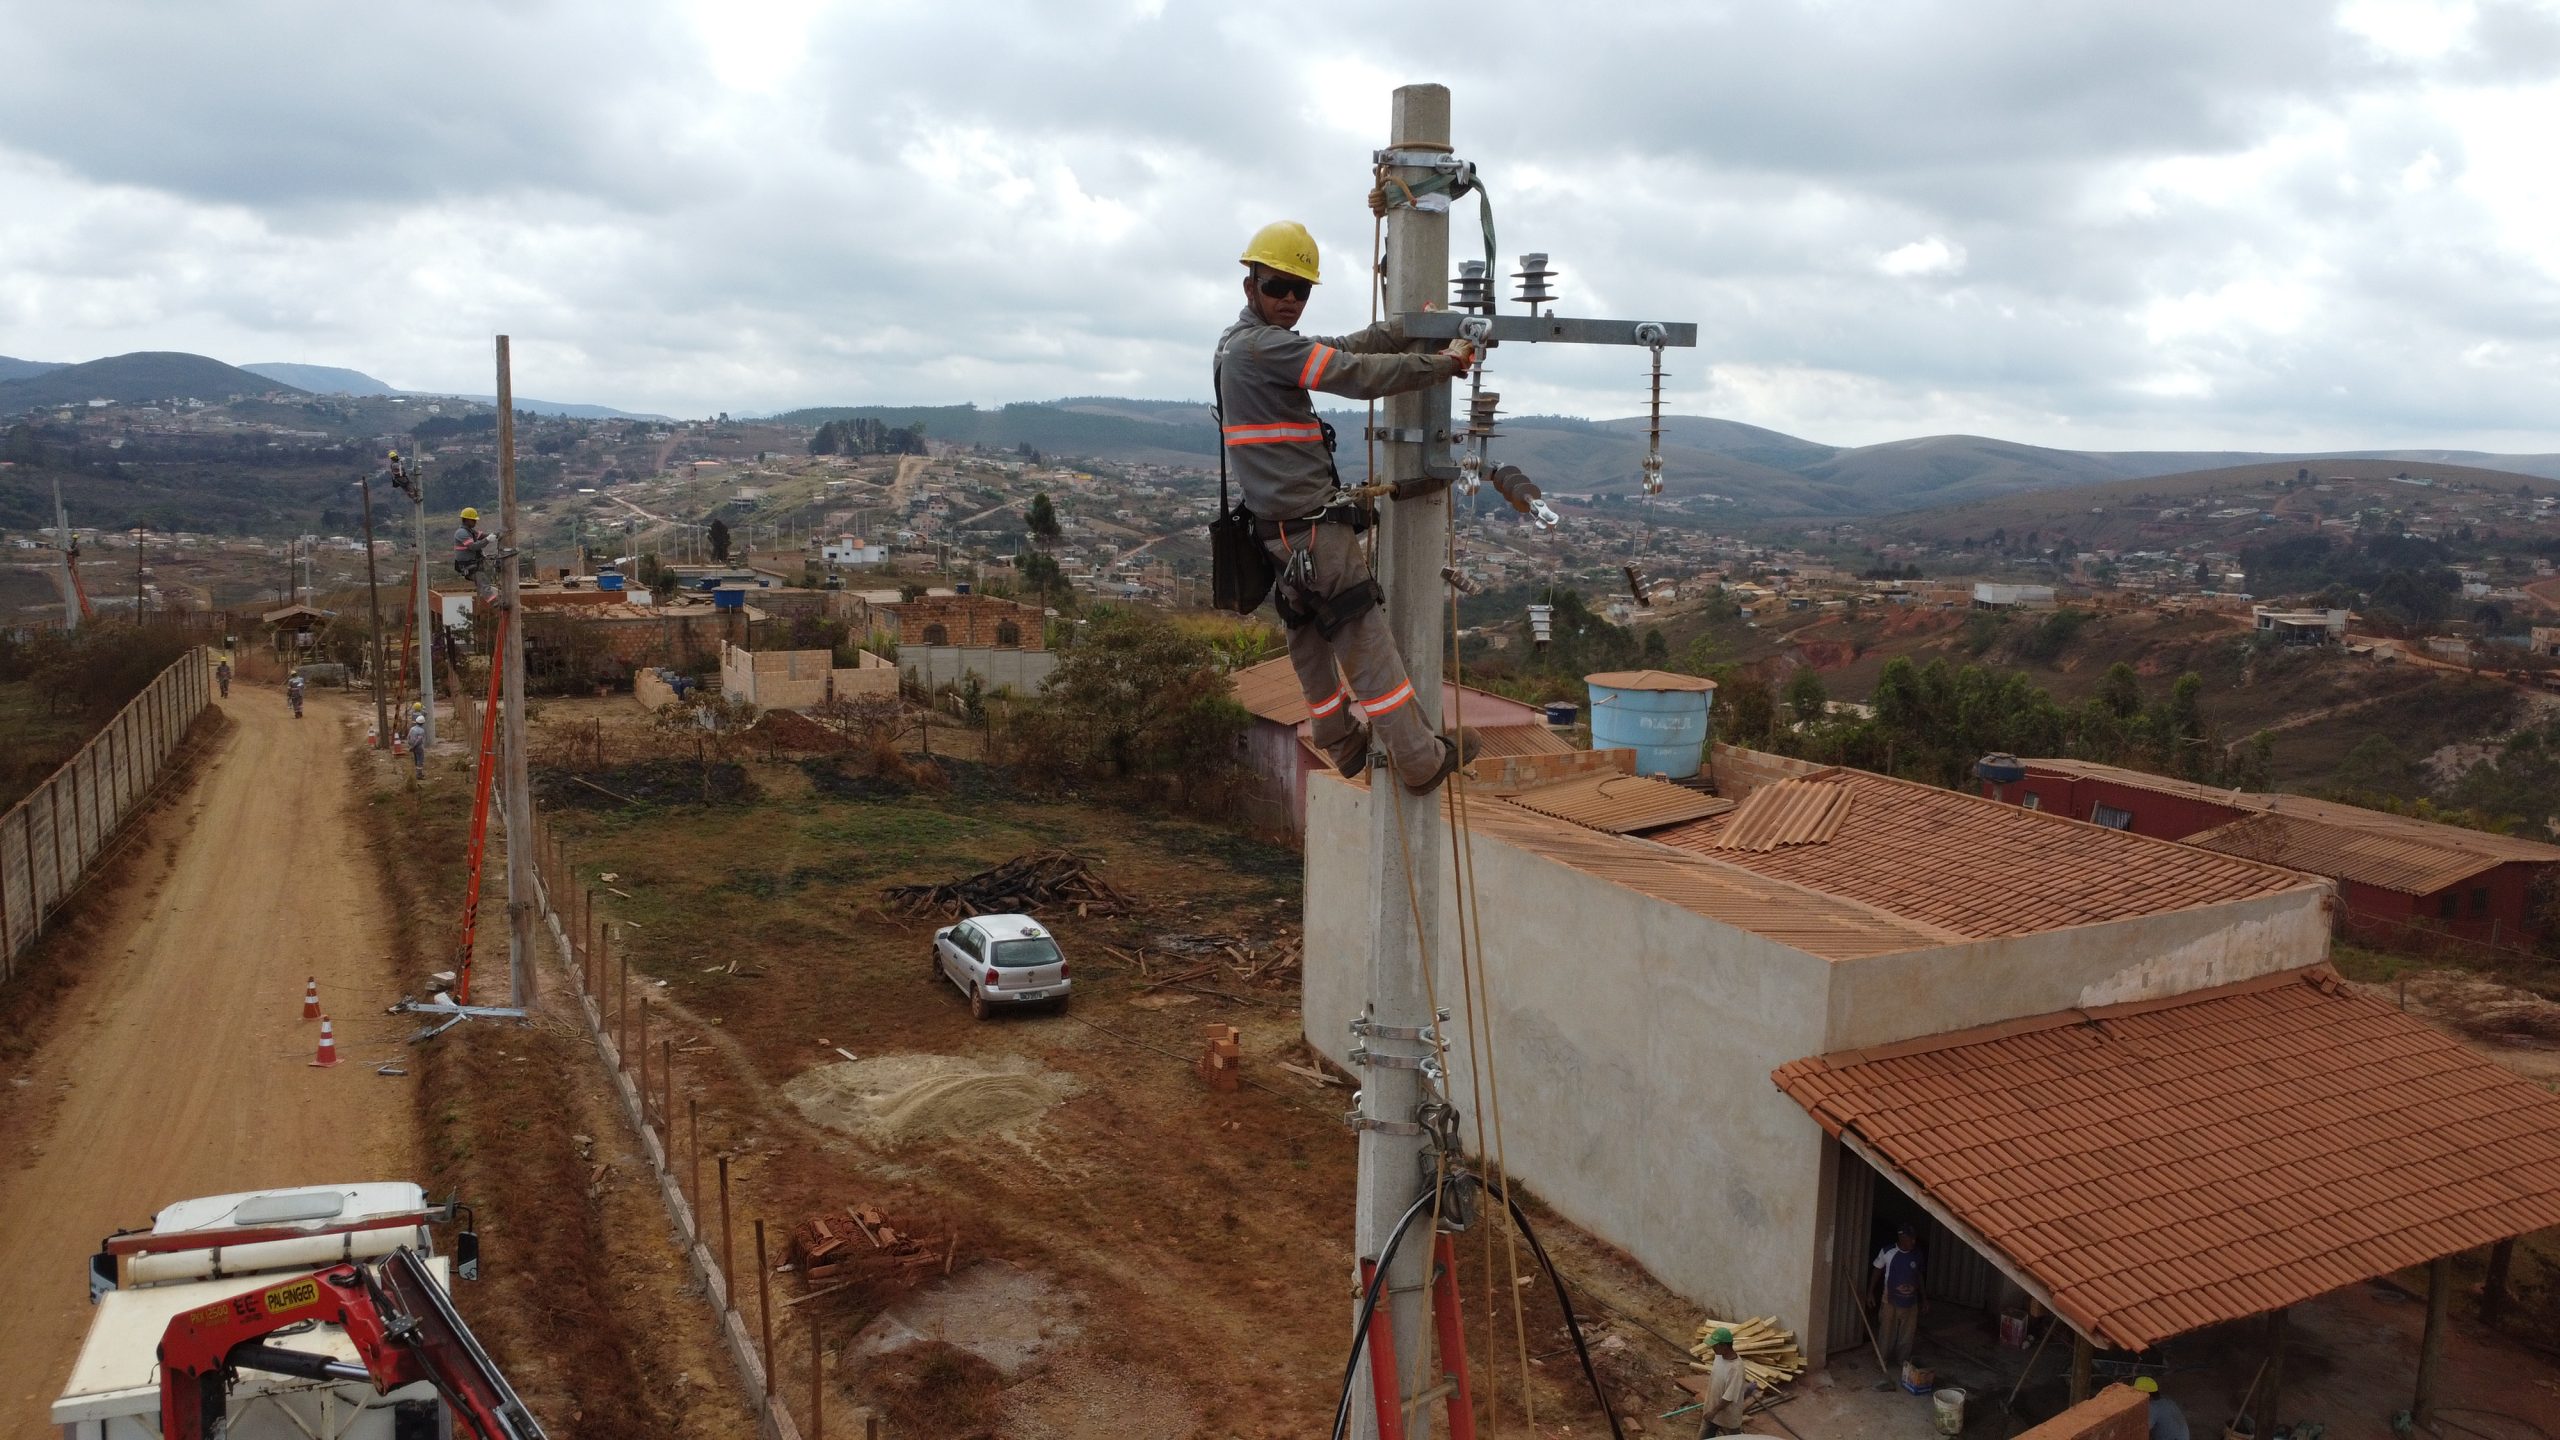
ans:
x=399 y=1320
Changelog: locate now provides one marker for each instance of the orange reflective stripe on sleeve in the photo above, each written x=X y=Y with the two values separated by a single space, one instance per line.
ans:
x=1282 y=433
x=1387 y=702
x=1318 y=356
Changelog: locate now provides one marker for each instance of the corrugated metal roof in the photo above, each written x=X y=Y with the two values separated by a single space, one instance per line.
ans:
x=1817 y=924
x=2168 y=1165
x=2300 y=843
x=1620 y=804
x=1791 y=812
x=1499 y=741
x=1981 y=868
x=1649 y=680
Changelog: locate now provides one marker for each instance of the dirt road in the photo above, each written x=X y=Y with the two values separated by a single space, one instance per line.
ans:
x=181 y=1064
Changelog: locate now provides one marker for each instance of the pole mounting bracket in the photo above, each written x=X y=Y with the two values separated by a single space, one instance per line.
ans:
x=1363 y=1025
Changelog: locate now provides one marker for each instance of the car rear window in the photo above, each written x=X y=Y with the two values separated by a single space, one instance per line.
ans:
x=1018 y=954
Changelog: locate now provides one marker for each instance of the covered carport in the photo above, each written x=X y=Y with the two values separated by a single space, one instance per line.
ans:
x=2148 y=1170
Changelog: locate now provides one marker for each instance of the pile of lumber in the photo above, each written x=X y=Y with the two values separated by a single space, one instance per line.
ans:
x=1203 y=963
x=1025 y=884
x=858 y=1241
x=1768 y=1353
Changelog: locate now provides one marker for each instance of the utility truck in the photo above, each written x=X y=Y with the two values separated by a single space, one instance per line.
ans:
x=306 y=1314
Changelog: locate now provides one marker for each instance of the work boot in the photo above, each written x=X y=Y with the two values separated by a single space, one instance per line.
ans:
x=1447 y=767
x=1351 y=754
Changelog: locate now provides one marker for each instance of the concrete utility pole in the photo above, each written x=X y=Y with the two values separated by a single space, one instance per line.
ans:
x=64 y=546
x=425 y=597
x=1413 y=538
x=517 y=776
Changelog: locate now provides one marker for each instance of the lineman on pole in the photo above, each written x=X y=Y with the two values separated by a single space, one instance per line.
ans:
x=1283 y=457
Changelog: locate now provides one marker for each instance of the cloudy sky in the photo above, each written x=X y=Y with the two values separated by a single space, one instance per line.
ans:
x=2106 y=223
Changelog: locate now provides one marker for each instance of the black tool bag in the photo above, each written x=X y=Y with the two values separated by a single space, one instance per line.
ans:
x=1240 y=570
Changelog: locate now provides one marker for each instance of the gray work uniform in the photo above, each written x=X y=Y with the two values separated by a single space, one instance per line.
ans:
x=1275 y=448
x=417 y=739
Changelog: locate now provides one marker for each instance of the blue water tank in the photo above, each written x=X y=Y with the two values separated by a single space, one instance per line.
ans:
x=960 y=587
x=1562 y=713
x=1659 y=715
x=2000 y=769
x=609 y=580
x=729 y=597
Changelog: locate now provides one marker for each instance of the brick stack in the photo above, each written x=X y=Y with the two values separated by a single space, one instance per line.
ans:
x=1220 y=1054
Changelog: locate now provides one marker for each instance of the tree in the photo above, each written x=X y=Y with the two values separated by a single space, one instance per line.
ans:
x=1807 y=700
x=1040 y=573
x=719 y=541
x=1041 y=519
x=1138 y=697
x=2120 y=691
x=1657 y=651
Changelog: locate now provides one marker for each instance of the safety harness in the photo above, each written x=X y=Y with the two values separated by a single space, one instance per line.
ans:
x=1328 y=613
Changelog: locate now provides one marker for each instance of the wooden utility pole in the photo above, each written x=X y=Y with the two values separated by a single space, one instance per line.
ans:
x=373 y=597
x=518 y=778
x=2422 y=1404
x=1404 y=840
x=425 y=598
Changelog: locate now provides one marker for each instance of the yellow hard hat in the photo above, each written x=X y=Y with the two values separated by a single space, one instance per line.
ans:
x=2146 y=1385
x=1285 y=246
x=468 y=513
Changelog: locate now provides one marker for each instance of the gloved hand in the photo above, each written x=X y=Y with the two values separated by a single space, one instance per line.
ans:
x=1461 y=354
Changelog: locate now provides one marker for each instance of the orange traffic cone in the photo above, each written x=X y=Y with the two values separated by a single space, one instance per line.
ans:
x=311 y=999
x=328 y=1055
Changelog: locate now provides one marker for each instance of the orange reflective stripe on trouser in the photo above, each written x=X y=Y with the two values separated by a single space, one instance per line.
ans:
x=1283 y=433
x=1318 y=357
x=1327 y=707
x=1387 y=702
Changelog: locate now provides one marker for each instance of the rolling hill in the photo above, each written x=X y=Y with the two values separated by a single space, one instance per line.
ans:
x=142 y=375
x=12 y=369
x=320 y=379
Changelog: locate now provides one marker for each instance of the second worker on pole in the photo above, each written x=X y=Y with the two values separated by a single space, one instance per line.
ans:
x=1282 y=456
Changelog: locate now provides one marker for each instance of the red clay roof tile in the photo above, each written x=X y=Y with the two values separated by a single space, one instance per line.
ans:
x=2166 y=1165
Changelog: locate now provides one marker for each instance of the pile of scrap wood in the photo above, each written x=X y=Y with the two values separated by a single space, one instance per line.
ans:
x=1202 y=963
x=1025 y=884
x=1768 y=1353
x=858 y=1242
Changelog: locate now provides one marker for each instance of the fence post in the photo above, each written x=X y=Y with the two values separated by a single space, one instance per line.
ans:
x=693 y=1151
x=644 y=1065
x=817 y=1382
x=53 y=812
x=667 y=1097
x=8 y=936
x=764 y=1310
x=728 y=1269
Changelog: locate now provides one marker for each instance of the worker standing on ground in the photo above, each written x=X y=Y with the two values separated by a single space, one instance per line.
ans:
x=293 y=693
x=1896 y=1299
x=417 y=742
x=2168 y=1422
x=1282 y=456
x=1730 y=1388
x=222 y=675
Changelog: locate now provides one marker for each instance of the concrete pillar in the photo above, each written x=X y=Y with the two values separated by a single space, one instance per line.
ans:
x=2422 y=1405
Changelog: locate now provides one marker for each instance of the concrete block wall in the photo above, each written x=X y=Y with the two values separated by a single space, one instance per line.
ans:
x=967 y=621
x=1738 y=772
x=1021 y=671
x=1519 y=772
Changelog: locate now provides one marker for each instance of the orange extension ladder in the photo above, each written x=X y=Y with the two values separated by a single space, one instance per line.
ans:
x=480 y=810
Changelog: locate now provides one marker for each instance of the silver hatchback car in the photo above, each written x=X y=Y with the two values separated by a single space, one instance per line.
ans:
x=1000 y=960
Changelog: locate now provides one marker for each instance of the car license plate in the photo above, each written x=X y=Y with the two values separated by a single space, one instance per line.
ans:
x=1033 y=995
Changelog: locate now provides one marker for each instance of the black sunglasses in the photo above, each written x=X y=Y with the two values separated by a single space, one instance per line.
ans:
x=1275 y=287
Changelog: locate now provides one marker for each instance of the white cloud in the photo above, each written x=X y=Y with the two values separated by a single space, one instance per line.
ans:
x=1929 y=256
x=2160 y=224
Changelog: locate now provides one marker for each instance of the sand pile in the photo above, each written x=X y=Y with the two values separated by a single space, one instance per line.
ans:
x=895 y=1100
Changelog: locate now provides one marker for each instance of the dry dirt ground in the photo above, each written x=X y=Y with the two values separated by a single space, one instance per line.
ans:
x=177 y=1065
x=1189 y=1250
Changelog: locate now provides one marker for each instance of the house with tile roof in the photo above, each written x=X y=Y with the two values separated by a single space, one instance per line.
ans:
x=1704 y=1012
x=2396 y=874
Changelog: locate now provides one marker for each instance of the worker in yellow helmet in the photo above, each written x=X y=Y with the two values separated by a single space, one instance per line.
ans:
x=473 y=549
x=2168 y=1421
x=1282 y=456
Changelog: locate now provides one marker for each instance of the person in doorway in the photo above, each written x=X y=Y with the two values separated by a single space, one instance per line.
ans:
x=293 y=693
x=1896 y=1299
x=1282 y=456
x=473 y=549
x=417 y=743
x=1730 y=1388
x=222 y=676
x=2168 y=1422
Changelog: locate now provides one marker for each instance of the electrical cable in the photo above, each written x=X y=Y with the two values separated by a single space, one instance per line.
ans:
x=1564 y=1302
